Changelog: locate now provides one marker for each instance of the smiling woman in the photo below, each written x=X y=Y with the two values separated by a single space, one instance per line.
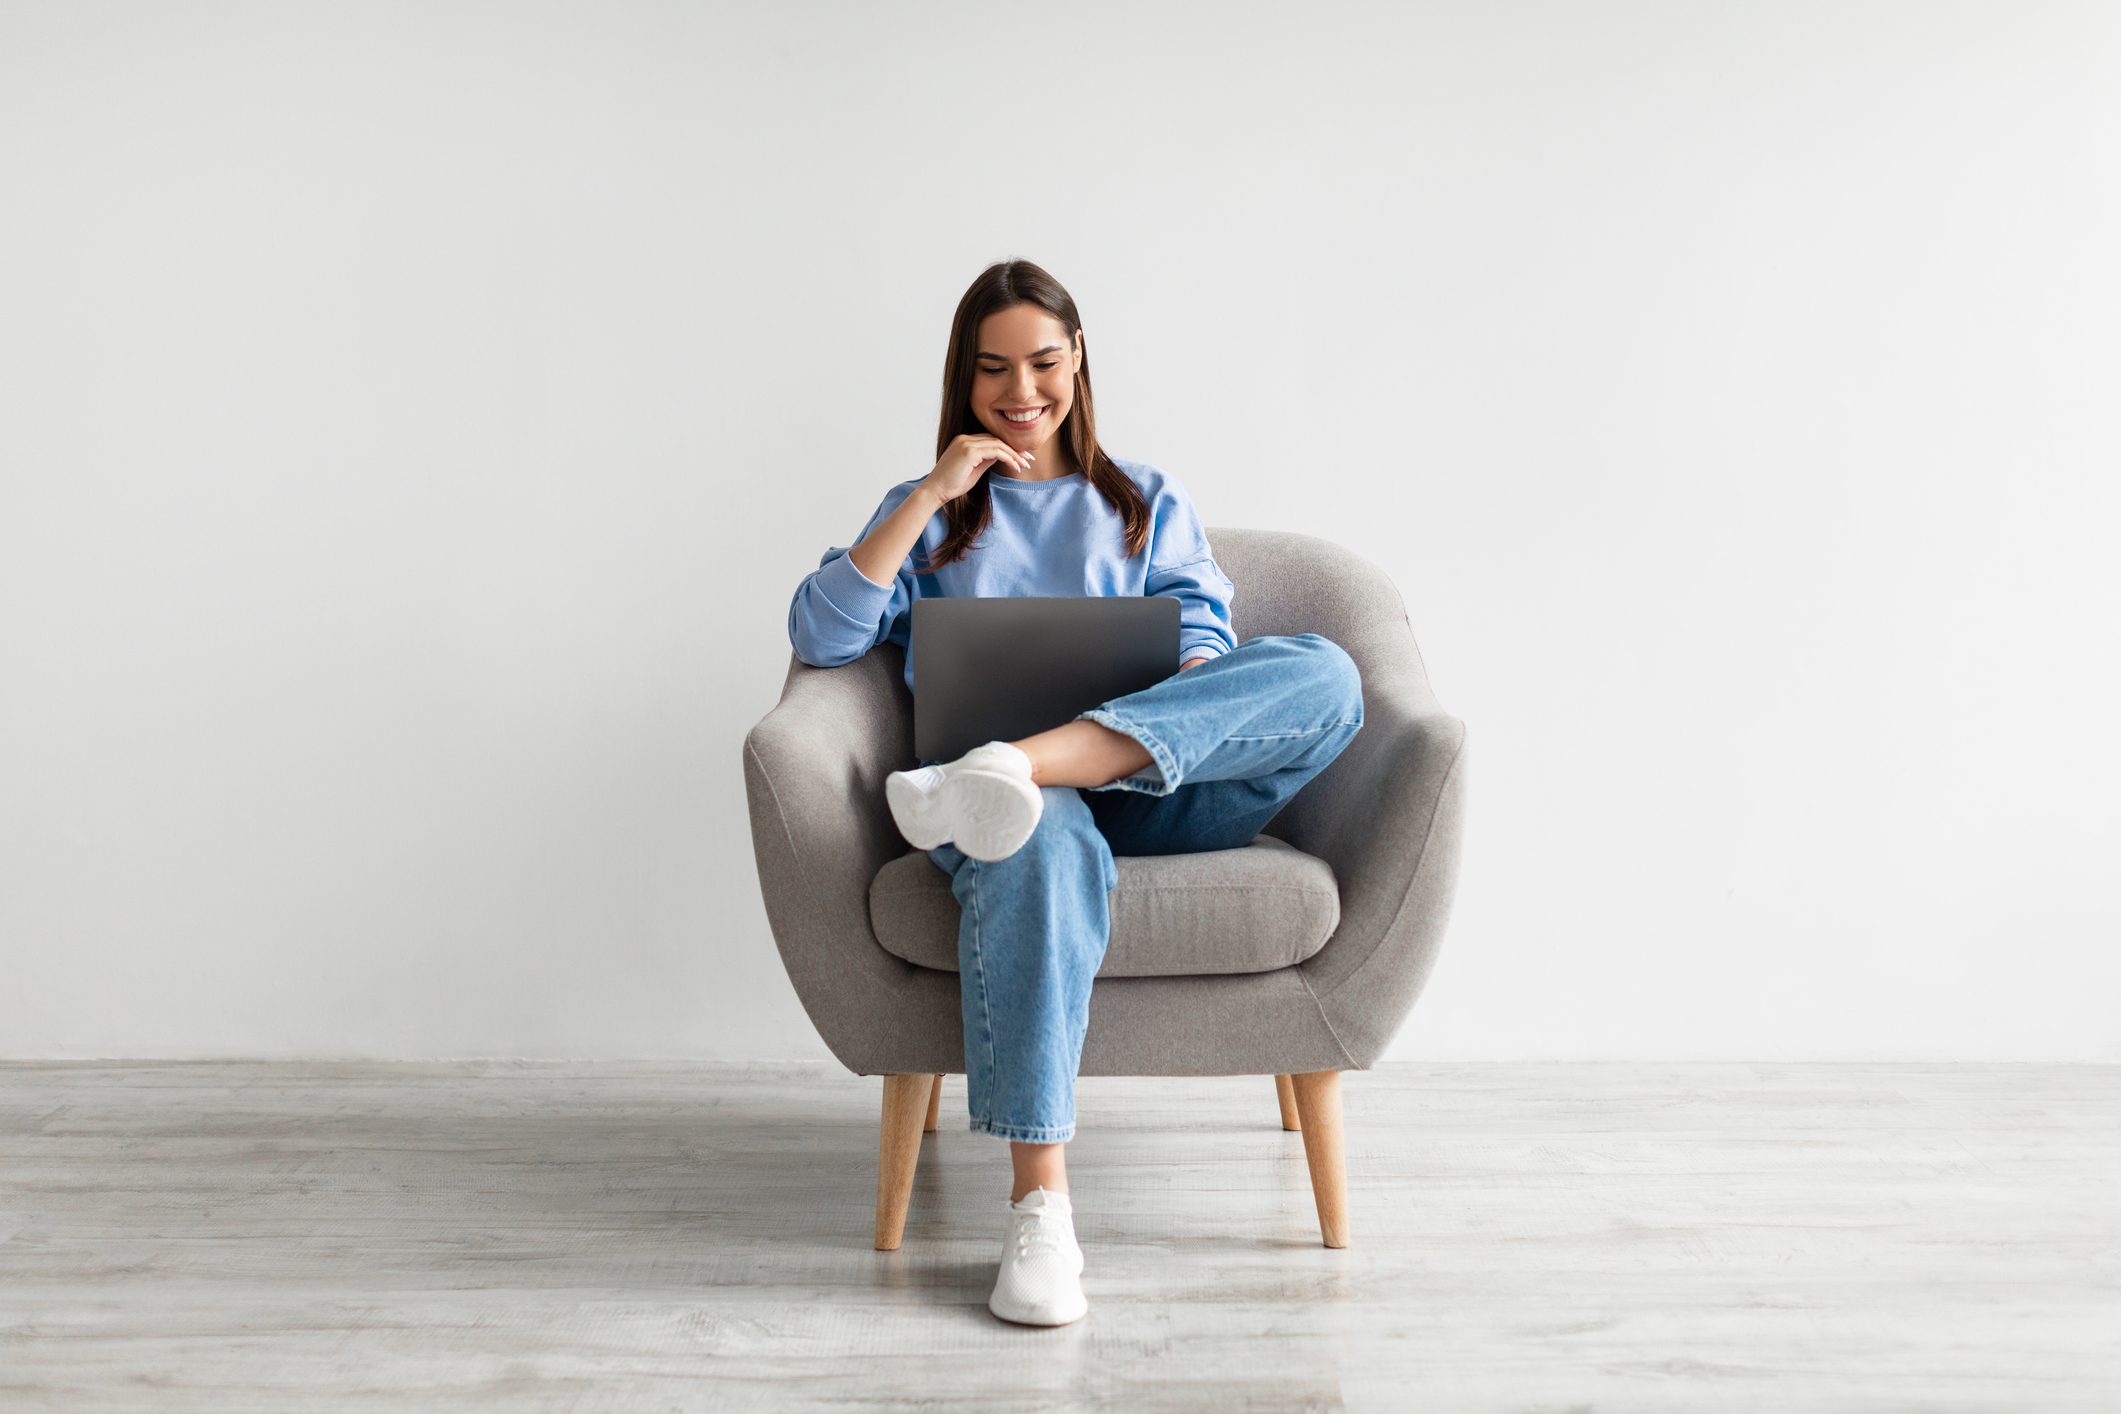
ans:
x=1016 y=348
x=1023 y=502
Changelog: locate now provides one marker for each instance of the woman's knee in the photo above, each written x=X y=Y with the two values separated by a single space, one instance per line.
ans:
x=1063 y=820
x=1332 y=670
x=1044 y=901
x=1064 y=842
x=1066 y=837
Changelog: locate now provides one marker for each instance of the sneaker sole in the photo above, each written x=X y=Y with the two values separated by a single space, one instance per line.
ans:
x=917 y=813
x=990 y=815
x=1034 y=1316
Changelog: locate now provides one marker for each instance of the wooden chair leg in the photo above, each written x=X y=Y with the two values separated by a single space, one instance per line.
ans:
x=935 y=1107
x=898 y=1152
x=1318 y=1105
x=1286 y=1093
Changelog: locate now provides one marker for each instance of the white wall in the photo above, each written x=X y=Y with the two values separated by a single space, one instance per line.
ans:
x=414 y=419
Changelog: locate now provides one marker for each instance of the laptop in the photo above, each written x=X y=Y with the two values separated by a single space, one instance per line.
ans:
x=1000 y=669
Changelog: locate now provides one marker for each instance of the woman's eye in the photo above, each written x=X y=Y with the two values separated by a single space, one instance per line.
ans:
x=1042 y=366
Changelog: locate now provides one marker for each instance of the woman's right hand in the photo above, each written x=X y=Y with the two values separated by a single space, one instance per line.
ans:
x=885 y=549
x=967 y=456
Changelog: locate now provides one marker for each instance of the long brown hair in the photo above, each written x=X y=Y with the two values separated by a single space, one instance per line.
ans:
x=1000 y=287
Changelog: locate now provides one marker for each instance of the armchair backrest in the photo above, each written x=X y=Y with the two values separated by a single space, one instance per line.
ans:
x=1290 y=584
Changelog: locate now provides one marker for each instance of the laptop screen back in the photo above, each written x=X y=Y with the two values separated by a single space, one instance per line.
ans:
x=1000 y=669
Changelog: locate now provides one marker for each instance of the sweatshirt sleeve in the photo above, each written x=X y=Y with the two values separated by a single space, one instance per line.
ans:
x=839 y=613
x=1182 y=566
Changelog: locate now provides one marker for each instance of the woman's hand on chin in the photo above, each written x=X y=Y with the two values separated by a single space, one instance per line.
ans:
x=882 y=553
x=965 y=459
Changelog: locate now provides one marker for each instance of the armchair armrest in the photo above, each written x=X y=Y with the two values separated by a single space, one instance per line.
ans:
x=814 y=771
x=1387 y=817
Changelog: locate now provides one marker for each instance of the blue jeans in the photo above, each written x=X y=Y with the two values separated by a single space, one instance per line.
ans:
x=1230 y=743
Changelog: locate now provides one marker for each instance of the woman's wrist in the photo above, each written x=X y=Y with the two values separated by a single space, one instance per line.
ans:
x=926 y=498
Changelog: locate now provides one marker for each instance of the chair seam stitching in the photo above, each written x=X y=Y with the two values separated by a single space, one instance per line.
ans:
x=1323 y=1015
x=780 y=813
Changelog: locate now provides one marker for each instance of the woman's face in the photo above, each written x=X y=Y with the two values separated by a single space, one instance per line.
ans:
x=1023 y=379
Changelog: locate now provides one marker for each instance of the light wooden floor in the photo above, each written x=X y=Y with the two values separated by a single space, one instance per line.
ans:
x=637 y=1237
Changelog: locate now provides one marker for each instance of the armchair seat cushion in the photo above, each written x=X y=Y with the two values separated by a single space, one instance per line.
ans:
x=1257 y=909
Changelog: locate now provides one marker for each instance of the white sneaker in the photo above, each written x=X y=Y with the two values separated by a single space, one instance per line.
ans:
x=983 y=802
x=1041 y=1278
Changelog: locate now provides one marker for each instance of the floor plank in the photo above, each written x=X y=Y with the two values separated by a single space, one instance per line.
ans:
x=252 y=1236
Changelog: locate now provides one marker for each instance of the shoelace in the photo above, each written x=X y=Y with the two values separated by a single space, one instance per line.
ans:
x=1043 y=1230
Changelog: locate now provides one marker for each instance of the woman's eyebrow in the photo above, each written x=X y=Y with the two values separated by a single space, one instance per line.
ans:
x=998 y=358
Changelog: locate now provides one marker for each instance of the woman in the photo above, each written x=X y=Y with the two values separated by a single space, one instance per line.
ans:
x=1023 y=501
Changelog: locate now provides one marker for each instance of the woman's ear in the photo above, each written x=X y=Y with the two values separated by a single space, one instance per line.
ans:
x=1078 y=351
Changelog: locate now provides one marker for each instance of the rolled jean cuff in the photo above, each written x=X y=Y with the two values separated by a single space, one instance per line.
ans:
x=1017 y=1135
x=1160 y=777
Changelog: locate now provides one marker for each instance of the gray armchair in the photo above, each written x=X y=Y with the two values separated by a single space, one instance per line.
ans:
x=1298 y=956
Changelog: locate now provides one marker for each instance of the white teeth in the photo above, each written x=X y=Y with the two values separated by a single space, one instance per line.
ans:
x=1031 y=416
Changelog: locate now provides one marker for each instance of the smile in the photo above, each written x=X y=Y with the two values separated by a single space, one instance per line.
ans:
x=1024 y=418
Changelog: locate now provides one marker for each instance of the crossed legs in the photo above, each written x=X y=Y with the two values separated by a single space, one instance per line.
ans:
x=1202 y=761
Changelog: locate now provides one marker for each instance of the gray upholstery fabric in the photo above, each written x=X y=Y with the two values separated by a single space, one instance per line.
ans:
x=1174 y=915
x=1385 y=818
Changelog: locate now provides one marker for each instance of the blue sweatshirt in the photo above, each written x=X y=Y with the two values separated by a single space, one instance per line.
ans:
x=1055 y=538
